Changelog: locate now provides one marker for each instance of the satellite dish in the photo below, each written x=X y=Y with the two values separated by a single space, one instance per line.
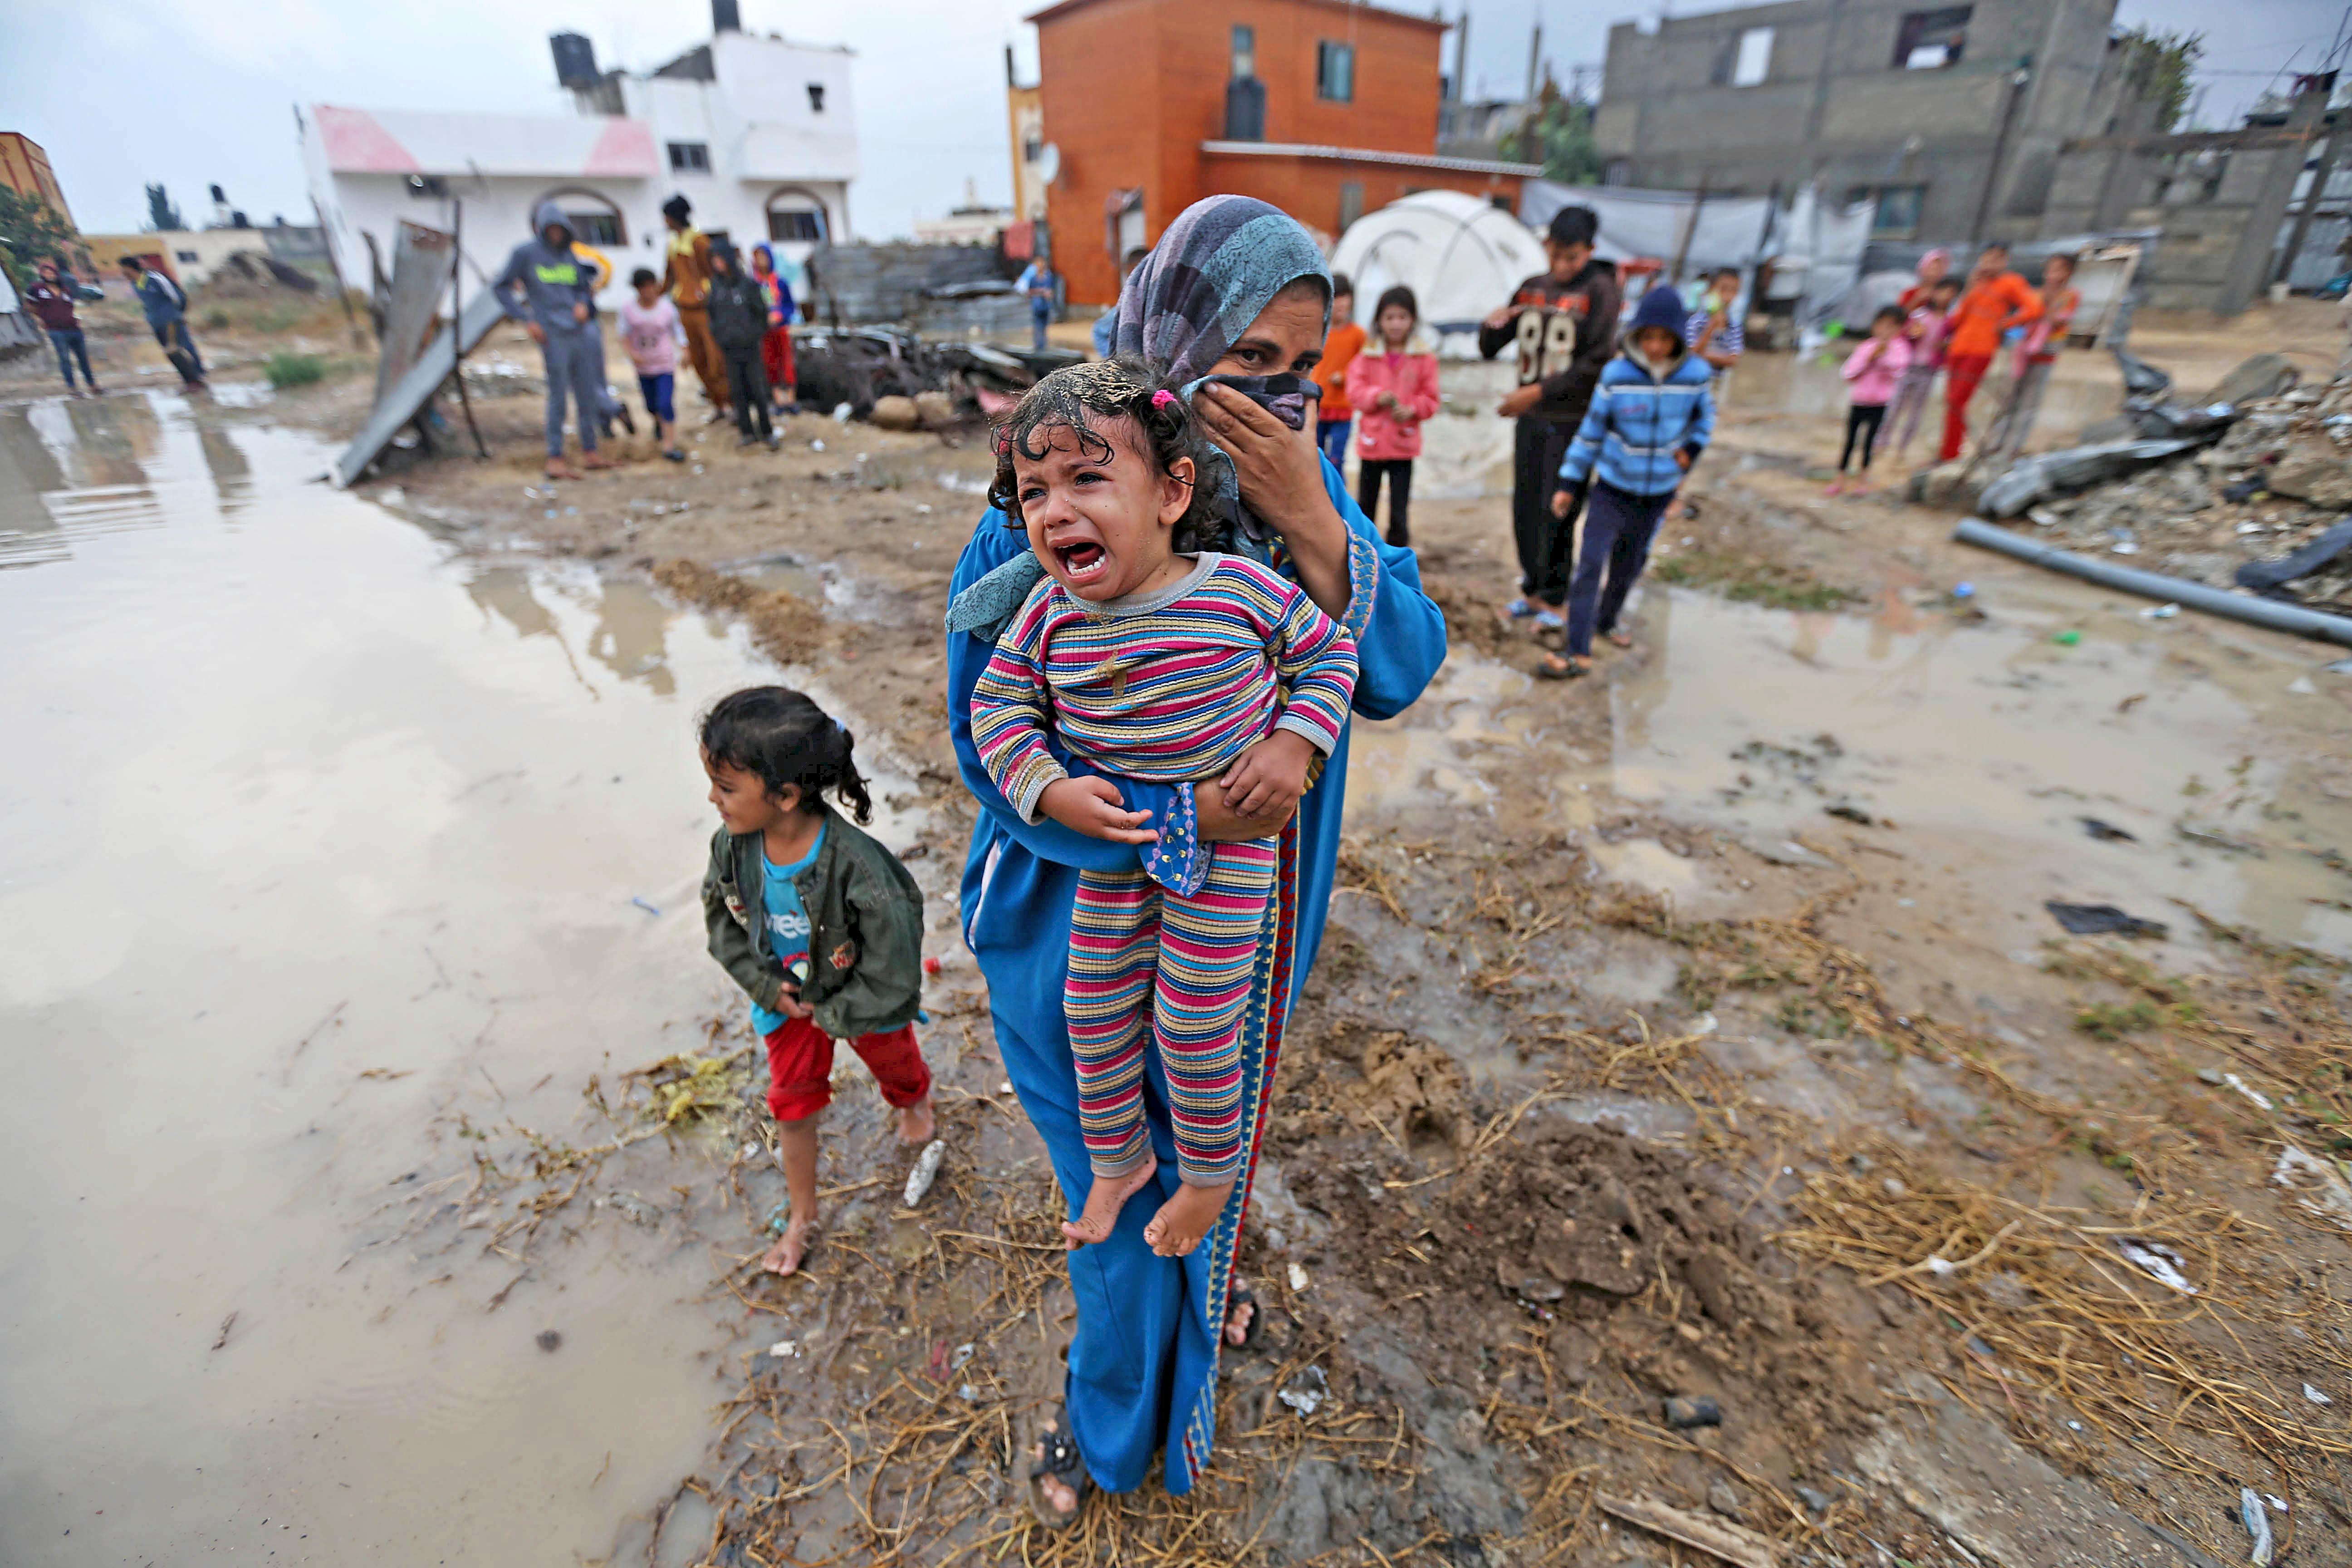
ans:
x=1049 y=163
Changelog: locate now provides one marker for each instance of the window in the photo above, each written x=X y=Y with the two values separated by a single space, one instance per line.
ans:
x=595 y=229
x=1351 y=203
x=1930 y=40
x=689 y=157
x=817 y=97
x=1335 y=72
x=789 y=224
x=1244 y=53
x=1896 y=214
x=1755 y=61
x=187 y=256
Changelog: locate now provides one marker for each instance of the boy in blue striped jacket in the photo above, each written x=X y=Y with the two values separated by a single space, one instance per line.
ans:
x=1649 y=417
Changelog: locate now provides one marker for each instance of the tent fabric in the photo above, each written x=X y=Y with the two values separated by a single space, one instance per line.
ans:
x=1817 y=246
x=1460 y=256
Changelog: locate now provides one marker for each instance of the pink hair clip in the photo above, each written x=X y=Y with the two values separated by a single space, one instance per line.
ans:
x=1162 y=398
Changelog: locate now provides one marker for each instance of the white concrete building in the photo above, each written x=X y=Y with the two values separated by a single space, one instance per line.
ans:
x=757 y=132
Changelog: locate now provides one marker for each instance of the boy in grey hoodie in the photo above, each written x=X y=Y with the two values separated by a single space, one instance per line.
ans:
x=554 y=306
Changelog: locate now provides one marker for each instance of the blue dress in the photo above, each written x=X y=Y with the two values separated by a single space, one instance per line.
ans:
x=1143 y=1363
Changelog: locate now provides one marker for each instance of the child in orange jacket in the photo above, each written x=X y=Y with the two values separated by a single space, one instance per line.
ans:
x=1996 y=300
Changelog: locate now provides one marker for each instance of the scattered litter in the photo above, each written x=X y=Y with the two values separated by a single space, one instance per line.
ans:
x=2097 y=919
x=1683 y=1412
x=2125 y=547
x=548 y=1339
x=1814 y=1498
x=816 y=446
x=2319 y=1186
x=226 y=1324
x=1307 y=1392
x=2341 y=667
x=2210 y=1075
x=645 y=906
x=1004 y=1087
x=2159 y=612
x=2314 y=1395
x=1720 y=1539
x=2258 y=1525
x=926 y=1171
x=923 y=509
x=2070 y=638
x=968 y=1393
x=1964 y=590
x=2159 y=1262
x=963 y=1353
x=2278 y=1503
x=841 y=413
x=1941 y=1267
x=2107 y=832
x=2249 y=1091
x=1297 y=1278
x=785 y=1349
x=2301 y=685
x=930 y=964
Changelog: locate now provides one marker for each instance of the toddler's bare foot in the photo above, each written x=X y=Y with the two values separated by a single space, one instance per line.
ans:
x=916 y=1122
x=785 y=1257
x=1185 y=1218
x=1104 y=1200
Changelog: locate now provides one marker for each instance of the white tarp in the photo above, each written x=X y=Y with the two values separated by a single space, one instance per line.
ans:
x=1816 y=247
x=1460 y=256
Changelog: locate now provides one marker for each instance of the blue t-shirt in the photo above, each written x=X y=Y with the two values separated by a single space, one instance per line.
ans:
x=788 y=925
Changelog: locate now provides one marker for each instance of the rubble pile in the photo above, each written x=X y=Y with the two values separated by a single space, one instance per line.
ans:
x=2277 y=482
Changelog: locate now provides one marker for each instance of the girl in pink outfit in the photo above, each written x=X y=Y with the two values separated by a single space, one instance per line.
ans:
x=1925 y=327
x=1870 y=375
x=1393 y=385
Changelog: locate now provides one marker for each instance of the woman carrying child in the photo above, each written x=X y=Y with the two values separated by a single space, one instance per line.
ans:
x=1236 y=290
x=821 y=926
x=1651 y=417
x=1393 y=385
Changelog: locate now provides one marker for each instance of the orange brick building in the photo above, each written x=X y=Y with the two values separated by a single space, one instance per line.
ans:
x=24 y=169
x=1325 y=109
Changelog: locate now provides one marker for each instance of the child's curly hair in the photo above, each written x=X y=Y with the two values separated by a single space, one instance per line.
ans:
x=1081 y=397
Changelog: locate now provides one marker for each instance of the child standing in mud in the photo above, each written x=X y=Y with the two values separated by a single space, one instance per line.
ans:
x=1147 y=657
x=821 y=926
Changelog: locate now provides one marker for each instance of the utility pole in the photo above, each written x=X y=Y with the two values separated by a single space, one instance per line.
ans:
x=1535 y=59
x=1462 y=58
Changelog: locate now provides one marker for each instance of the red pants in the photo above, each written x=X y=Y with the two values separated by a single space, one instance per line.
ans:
x=800 y=1068
x=1961 y=374
x=776 y=353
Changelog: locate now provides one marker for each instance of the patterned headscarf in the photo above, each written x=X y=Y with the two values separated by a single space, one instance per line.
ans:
x=1213 y=271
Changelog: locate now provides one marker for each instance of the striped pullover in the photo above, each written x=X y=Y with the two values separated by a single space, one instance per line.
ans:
x=1641 y=413
x=1165 y=687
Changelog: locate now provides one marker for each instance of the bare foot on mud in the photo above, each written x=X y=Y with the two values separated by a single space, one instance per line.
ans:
x=1104 y=1200
x=1241 y=1319
x=595 y=460
x=560 y=469
x=916 y=1122
x=1185 y=1218
x=792 y=1247
x=1619 y=639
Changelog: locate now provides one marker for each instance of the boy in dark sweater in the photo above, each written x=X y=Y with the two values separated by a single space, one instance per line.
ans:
x=739 y=320
x=51 y=300
x=1564 y=322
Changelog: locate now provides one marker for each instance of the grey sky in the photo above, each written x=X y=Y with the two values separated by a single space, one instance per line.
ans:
x=194 y=91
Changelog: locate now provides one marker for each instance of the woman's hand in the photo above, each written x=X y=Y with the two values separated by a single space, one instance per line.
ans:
x=1280 y=472
x=1214 y=820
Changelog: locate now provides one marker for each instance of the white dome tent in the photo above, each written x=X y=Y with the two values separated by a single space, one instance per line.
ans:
x=1460 y=256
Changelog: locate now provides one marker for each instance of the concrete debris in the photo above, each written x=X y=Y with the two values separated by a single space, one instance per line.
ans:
x=855 y=368
x=2262 y=507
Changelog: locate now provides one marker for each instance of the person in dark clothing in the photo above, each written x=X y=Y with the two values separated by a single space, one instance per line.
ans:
x=1564 y=323
x=739 y=320
x=557 y=288
x=51 y=300
x=167 y=317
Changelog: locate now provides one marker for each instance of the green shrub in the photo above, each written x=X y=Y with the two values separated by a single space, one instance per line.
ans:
x=285 y=369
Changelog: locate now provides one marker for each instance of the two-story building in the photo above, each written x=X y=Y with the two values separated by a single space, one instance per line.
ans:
x=1949 y=119
x=757 y=132
x=1327 y=109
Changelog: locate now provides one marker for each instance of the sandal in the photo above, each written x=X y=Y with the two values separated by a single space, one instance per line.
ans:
x=1550 y=621
x=1242 y=1296
x=1554 y=668
x=1520 y=609
x=1055 y=1454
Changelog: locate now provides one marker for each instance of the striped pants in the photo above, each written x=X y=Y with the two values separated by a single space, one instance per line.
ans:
x=1147 y=962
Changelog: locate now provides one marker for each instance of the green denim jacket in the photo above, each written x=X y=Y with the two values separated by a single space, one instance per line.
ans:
x=865 y=929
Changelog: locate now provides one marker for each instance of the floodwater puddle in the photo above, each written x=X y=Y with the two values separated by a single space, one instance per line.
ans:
x=1978 y=745
x=320 y=836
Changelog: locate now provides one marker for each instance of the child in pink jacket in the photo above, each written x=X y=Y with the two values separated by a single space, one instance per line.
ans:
x=1393 y=385
x=1872 y=373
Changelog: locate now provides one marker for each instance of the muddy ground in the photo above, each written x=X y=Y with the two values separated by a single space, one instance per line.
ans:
x=1627 y=1076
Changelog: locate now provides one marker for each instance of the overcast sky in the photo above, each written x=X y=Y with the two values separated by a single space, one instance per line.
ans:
x=191 y=92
